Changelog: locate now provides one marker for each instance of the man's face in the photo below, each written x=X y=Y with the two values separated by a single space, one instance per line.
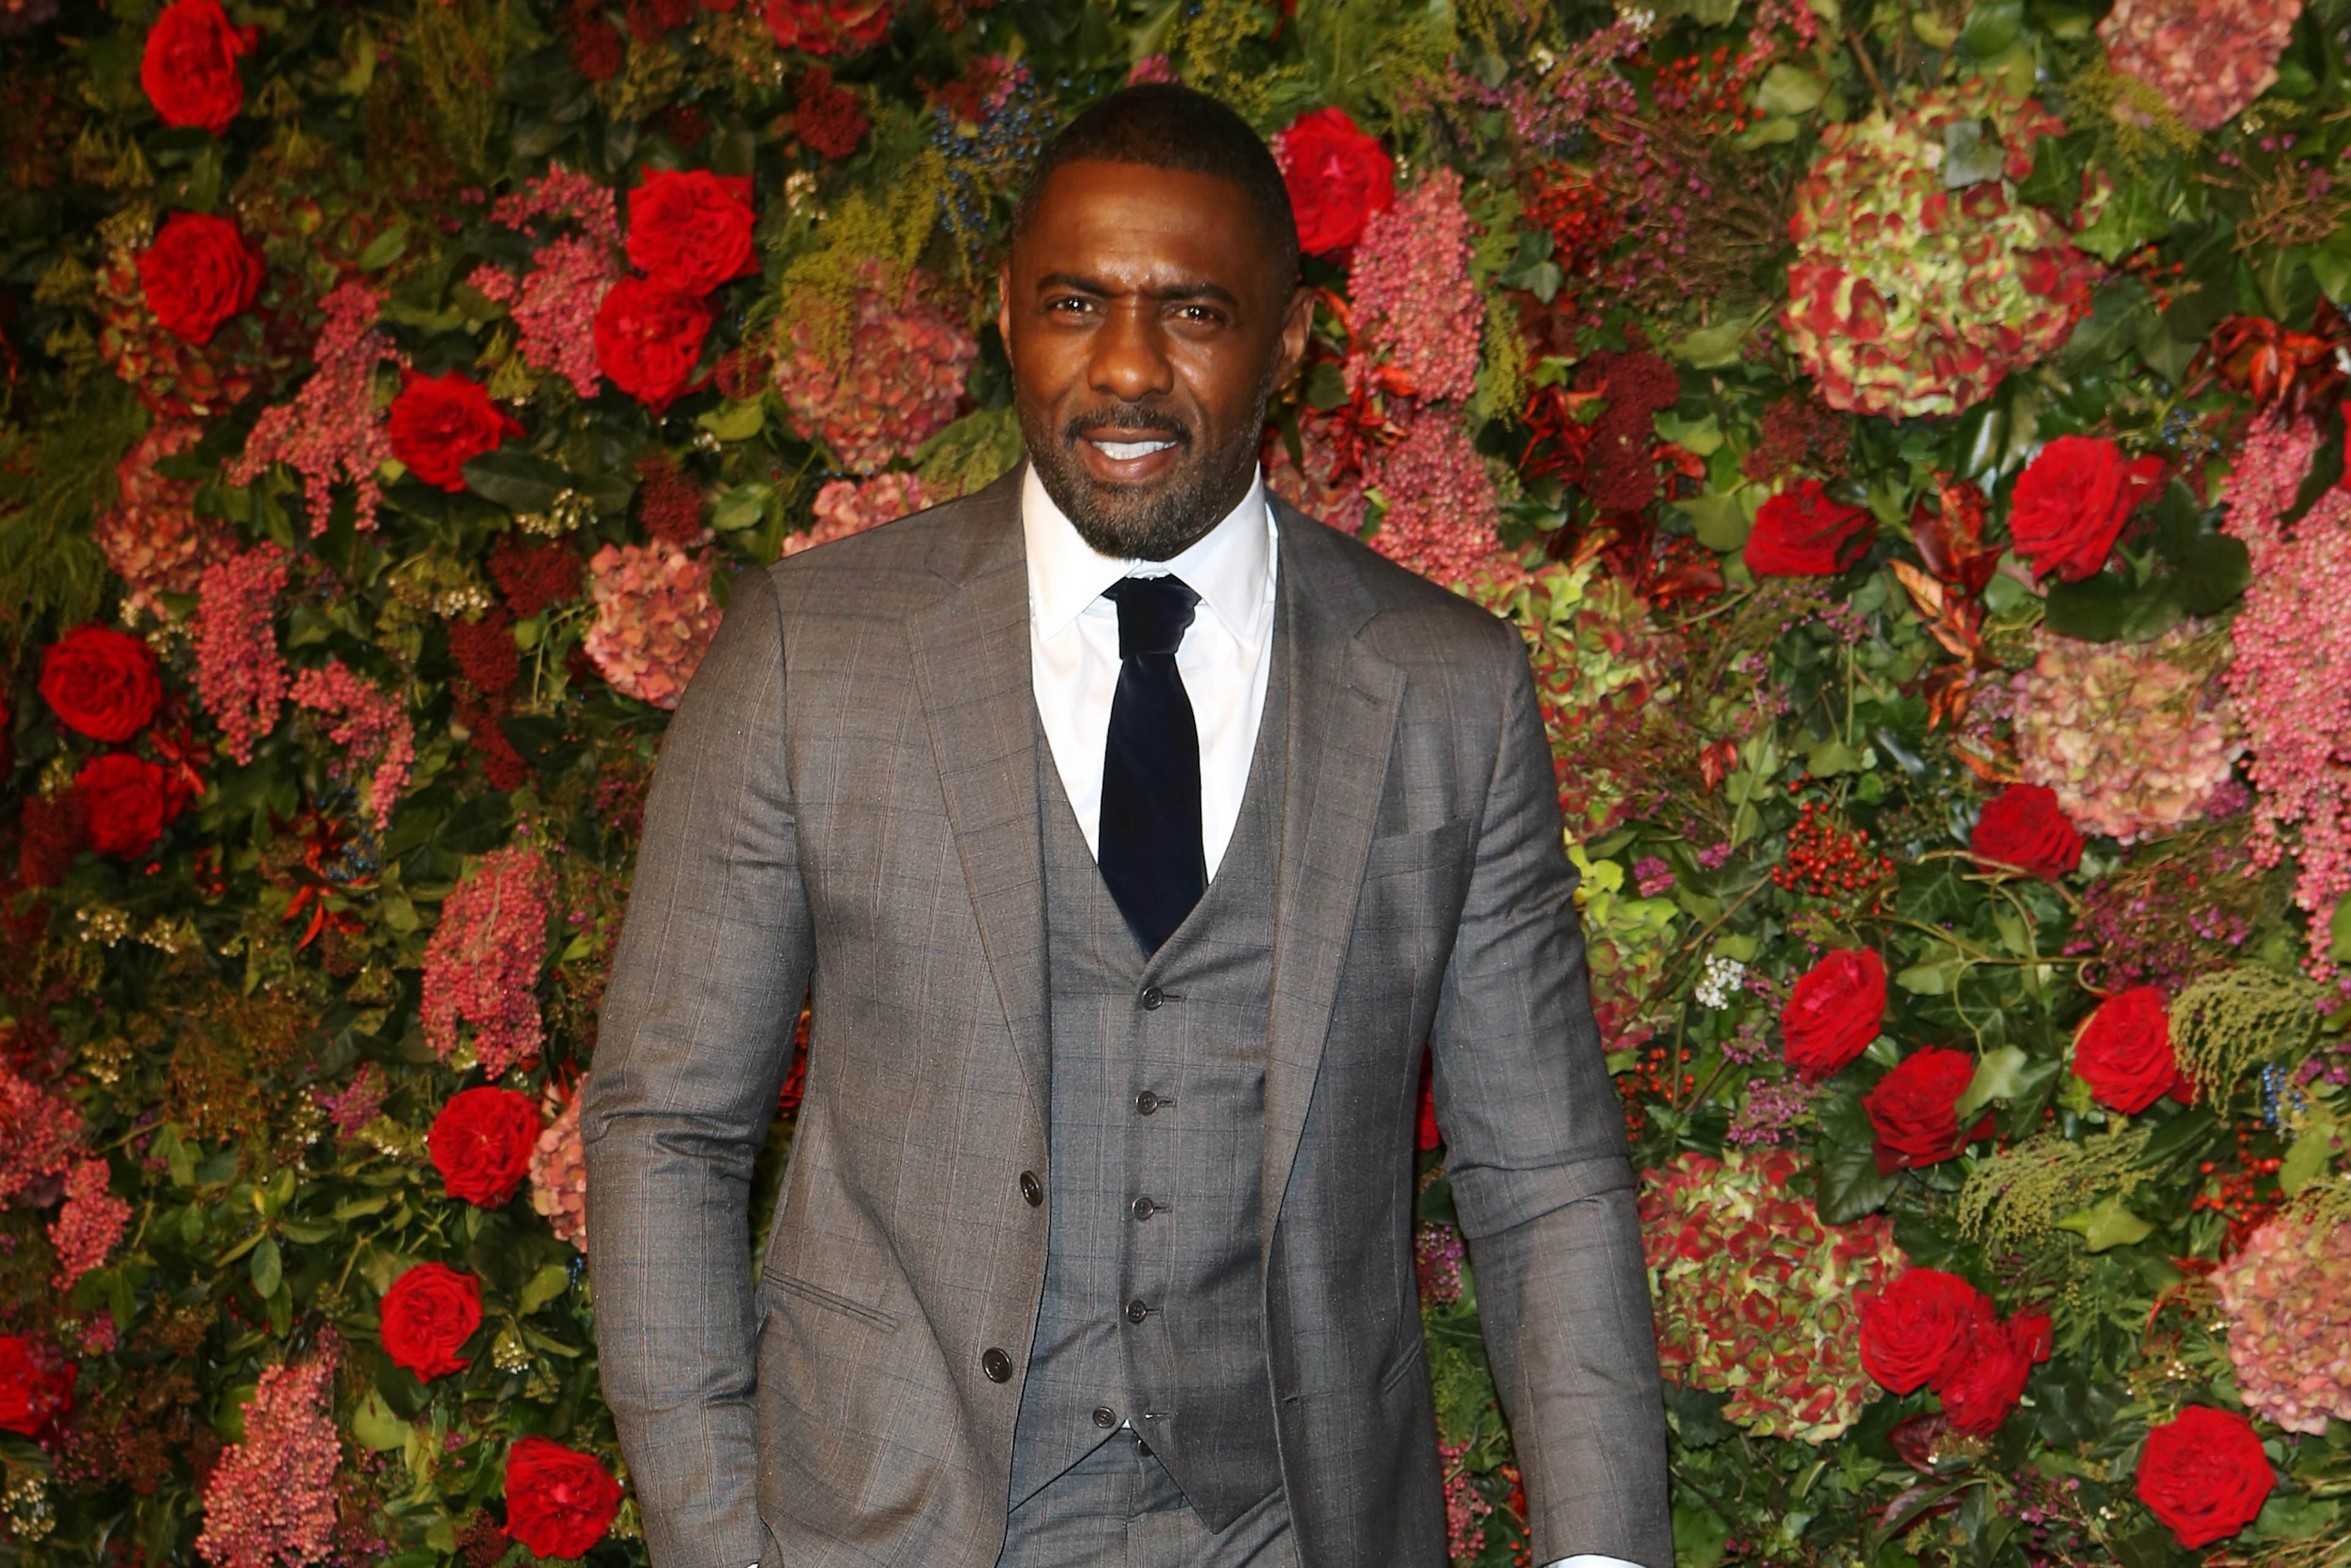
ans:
x=1146 y=327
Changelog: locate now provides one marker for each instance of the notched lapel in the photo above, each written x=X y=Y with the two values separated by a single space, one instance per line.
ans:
x=972 y=669
x=1343 y=701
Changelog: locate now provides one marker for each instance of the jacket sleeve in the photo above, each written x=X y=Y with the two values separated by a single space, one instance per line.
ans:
x=696 y=1034
x=1536 y=1153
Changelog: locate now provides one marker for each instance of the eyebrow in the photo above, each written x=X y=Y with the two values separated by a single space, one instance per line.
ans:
x=1172 y=293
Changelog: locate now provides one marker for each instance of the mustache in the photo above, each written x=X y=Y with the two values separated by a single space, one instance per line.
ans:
x=1128 y=416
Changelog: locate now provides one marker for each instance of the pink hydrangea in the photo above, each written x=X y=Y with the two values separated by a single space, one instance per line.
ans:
x=240 y=678
x=554 y=306
x=2288 y=1297
x=89 y=1225
x=1415 y=299
x=1441 y=518
x=2290 y=675
x=270 y=1502
x=332 y=431
x=654 y=619
x=846 y=507
x=2209 y=58
x=482 y=964
x=896 y=385
x=151 y=536
x=40 y=1135
x=559 y=1172
x=371 y=726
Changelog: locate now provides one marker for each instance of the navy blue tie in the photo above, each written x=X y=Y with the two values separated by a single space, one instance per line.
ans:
x=1150 y=849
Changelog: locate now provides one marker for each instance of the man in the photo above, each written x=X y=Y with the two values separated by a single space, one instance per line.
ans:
x=1135 y=836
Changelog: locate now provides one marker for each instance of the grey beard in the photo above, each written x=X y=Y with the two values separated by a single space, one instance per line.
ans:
x=1155 y=527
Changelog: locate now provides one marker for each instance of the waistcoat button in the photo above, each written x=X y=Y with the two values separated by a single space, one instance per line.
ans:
x=1106 y=1418
x=1135 y=1313
x=1144 y=1208
x=1146 y=1102
x=1152 y=996
x=1031 y=1189
x=996 y=1364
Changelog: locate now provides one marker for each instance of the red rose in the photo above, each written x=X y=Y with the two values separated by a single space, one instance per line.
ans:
x=559 y=1501
x=128 y=801
x=481 y=1144
x=648 y=339
x=34 y=1391
x=1987 y=1377
x=2022 y=826
x=2071 y=502
x=829 y=26
x=828 y=118
x=1915 y=1329
x=438 y=422
x=200 y=271
x=429 y=1312
x=1833 y=1013
x=1915 y=1109
x=690 y=232
x=1338 y=177
x=190 y=67
x=1802 y=533
x=2123 y=1052
x=2204 y=1474
x=102 y=682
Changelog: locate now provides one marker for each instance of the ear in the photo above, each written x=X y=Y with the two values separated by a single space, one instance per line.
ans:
x=1297 y=322
x=1004 y=304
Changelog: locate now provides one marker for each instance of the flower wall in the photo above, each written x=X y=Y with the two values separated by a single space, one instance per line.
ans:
x=1908 y=432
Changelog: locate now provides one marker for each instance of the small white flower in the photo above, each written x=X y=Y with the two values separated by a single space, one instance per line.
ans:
x=1723 y=978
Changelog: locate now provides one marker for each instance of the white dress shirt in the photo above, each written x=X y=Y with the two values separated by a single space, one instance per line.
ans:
x=1225 y=658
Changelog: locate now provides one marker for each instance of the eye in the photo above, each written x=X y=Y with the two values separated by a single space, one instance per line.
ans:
x=1204 y=315
x=1068 y=304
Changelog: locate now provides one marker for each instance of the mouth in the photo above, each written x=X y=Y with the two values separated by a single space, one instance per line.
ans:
x=1128 y=456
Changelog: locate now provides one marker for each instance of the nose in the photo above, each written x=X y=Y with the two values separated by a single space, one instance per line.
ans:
x=1130 y=355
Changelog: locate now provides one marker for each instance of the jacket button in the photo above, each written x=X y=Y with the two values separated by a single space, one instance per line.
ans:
x=1152 y=996
x=1135 y=1313
x=996 y=1364
x=1144 y=1208
x=1031 y=1189
x=1146 y=1102
x=1106 y=1418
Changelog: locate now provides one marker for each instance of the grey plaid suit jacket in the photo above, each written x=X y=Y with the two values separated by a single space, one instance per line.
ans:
x=848 y=796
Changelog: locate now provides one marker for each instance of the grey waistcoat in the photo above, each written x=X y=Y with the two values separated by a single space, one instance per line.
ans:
x=1188 y=1028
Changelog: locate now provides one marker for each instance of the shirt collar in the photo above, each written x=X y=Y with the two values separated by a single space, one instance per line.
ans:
x=1229 y=566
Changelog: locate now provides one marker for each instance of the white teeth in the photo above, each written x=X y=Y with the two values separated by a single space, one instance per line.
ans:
x=1128 y=450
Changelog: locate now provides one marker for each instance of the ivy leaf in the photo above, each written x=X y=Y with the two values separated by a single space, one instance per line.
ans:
x=376 y=1426
x=2107 y=1224
x=1999 y=1075
x=551 y=1280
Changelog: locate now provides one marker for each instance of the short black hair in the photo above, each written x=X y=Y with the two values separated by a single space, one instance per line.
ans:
x=1165 y=125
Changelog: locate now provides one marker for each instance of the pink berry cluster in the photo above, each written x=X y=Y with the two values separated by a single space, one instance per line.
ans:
x=88 y=1224
x=371 y=726
x=270 y=1502
x=654 y=619
x=240 y=678
x=554 y=305
x=331 y=431
x=2291 y=675
x=481 y=967
x=1418 y=305
x=1441 y=516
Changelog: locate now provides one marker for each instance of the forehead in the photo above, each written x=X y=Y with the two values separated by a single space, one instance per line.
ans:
x=1133 y=220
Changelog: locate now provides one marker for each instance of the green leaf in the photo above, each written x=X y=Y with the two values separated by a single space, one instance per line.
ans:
x=1999 y=1075
x=735 y=421
x=376 y=1426
x=2214 y=573
x=2107 y=1224
x=1712 y=348
x=2092 y=610
x=1789 y=90
x=519 y=481
x=1847 y=1185
x=2132 y=218
x=551 y=1280
x=743 y=507
x=1719 y=522
x=1831 y=757
x=1971 y=156
x=2306 y=1158
x=1932 y=978
x=1993 y=27
x=385 y=248
x=265 y=1268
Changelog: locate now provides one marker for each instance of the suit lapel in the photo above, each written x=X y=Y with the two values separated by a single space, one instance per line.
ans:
x=1343 y=707
x=972 y=668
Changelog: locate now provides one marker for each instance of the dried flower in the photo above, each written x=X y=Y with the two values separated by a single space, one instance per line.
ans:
x=2288 y=1297
x=2135 y=738
x=2209 y=58
x=559 y=1172
x=896 y=384
x=153 y=538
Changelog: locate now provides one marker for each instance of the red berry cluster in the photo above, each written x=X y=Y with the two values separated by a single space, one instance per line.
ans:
x=1701 y=84
x=2237 y=1196
x=1577 y=210
x=1826 y=859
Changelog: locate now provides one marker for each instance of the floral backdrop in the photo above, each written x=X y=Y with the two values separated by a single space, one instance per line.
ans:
x=1908 y=432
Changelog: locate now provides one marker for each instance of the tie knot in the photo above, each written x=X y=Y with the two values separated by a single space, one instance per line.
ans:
x=1152 y=613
